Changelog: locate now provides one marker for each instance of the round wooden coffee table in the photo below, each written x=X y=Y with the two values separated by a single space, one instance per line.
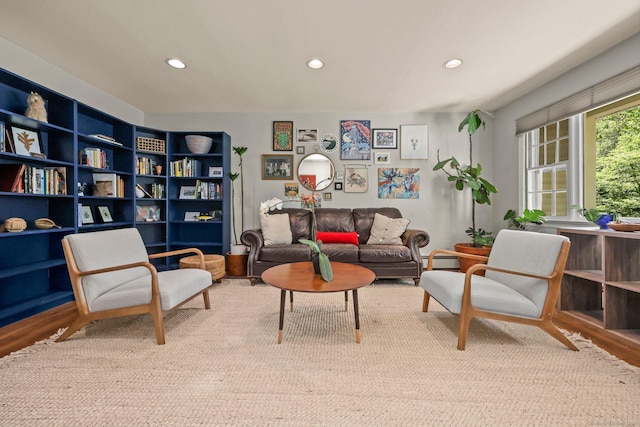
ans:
x=299 y=277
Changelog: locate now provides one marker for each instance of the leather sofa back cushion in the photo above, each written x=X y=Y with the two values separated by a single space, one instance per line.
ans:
x=300 y=220
x=334 y=219
x=338 y=237
x=363 y=220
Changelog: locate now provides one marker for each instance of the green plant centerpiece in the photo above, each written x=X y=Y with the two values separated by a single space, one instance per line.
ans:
x=524 y=221
x=599 y=217
x=470 y=177
x=323 y=260
x=233 y=176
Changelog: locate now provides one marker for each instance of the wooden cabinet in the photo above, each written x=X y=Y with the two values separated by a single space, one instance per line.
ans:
x=77 y=145
x=600 y=291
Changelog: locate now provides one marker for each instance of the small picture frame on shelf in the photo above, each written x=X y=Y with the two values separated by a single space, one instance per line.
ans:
x=25 y=142
x=188 y=192
x=147 y=213
x=216 y=171
x=105 y=214
x=86 y=215
x=191 y=216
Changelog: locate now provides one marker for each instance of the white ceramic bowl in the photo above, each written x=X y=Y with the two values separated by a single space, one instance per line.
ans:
x=198 y=144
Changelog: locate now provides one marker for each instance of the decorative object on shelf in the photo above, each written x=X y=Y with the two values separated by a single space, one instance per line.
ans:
x=623 y=226
x=198 y=144
x=36 y=107
x=321 y=263
x=398 y=183
x=150 y=144
x=282 y=136
x=105 y=214
x=216 y=171
x=277 y=166
x=414 y=142
x=148 y=213
x=598 y=217
x=81 y=188
x=158 y=169
x=14 y=225
x=87 y=215
x=329 y=143
x=45 y=223
x=26 y=142
x=385 y=138
x=191 y=216
x=188 y=192
x=355 y=140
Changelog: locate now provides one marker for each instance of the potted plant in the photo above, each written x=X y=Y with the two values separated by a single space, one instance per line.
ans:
x=524 y=221
x=321 y=263
x=469 y=177
x=596 y=216
x=237 y=257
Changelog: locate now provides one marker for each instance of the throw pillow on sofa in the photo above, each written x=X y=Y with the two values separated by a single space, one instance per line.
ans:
x=387 y=231
x=276 y=229
x=338 y=237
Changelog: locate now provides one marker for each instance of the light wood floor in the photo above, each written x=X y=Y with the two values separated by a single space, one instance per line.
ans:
x=26 y=332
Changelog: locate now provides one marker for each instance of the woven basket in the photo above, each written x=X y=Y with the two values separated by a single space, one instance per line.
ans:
x=150 y=144
x=214 y=264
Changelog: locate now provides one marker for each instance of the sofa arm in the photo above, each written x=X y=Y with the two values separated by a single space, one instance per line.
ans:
x=414 y=240
x=255 y=241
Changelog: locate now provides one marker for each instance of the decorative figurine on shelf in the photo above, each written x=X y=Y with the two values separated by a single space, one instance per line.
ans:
x=81 y=188
x=35 y=107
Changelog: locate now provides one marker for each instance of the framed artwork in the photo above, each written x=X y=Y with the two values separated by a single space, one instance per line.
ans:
x=188 y=192
x=148 y=213
x=25 y=142
x=329 y=143
x=105 y=214
x=191 y=216
x=396 y=183
x=216 y=171
x=326 y=196
x=356 y=180
x=86 y=215
x=355 y=140
x=105 y=184
x=282 y=136
x=381 y=158
x=307 y=135
x=339 y=175
x=300 y=149
x=277 y=166
x=414 y=142
x=291 y=189
x=337 y=186
x=385 y=138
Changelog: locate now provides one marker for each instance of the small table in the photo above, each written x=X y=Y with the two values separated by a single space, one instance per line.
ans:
x=214 y=264
x=299 y=277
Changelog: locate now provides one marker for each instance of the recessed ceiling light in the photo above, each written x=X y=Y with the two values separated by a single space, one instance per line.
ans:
x=315 y=64
x=176 y=63
x=452 y=63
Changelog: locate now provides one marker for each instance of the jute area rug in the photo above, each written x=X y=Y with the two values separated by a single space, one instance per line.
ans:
x=224 y=367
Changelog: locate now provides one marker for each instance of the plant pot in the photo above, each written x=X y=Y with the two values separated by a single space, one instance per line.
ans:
x=236 y=265
x=315 y=258
x=603 y=220
x=238 y=250
x=468 y=248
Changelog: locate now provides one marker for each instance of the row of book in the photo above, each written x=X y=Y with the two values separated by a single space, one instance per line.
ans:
x=108 y=185
x=145 y=165
x=94 y=157
x=208 y=190
x=185 y=167
x=155 y=191
x=20 y=178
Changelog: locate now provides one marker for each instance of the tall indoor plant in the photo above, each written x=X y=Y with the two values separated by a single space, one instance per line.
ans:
x=236 y=260
x=469 y=176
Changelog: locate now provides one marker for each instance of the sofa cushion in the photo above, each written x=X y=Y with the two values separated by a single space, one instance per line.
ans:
x=341 y=252
x=334 y=219
x=337 y=237
x=363 y=220
x=387 y=231
x=300 y=220
x=276 y=229
x=385 y=253
x=295 y=252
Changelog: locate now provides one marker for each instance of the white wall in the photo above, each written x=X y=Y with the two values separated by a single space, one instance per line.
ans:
x=443 y=213
x=622 y=57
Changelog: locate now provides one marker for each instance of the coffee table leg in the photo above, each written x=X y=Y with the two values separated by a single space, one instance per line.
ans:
x=355 y=310
x=346 y=299
x=283 y=298
x=291 y=299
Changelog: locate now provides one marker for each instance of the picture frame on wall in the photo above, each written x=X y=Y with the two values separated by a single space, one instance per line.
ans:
x=355 y=140
x=356 y=179
x=307 y=135
x=385 y=138
x=277 y=166
x=381 y=157
x=300 y=149
x=337 y=186
x=291 y=190
x=282 y=136
x=86 y=215
x=105 y=214
x=414 y=142
x=25 y=142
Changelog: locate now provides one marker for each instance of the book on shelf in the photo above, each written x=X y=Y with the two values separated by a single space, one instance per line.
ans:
x=105 y=138
x=186 y=167
x=94 y=157
x=11 y=178
x=34 y=180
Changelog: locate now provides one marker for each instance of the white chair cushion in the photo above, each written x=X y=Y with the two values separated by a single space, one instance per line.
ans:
x=446 y=287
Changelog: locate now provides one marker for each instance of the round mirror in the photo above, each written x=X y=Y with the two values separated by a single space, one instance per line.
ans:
x=316 y=172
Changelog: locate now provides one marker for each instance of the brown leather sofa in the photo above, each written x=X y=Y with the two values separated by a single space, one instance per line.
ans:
x=386 y=261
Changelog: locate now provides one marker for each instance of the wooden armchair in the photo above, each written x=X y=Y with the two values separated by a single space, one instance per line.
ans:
x=521 y=284
x=112 y=277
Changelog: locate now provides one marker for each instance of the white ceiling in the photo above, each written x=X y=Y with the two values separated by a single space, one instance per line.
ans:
x=380 y=55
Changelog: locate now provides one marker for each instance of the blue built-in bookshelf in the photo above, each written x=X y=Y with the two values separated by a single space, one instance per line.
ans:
x=43 y=166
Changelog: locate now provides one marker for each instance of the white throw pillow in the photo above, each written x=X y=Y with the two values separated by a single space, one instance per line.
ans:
x=387 y=231
x=276 y=229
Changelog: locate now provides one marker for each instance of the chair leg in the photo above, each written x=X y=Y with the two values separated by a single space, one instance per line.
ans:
x=425 y=301
x=553 y=330
x=157 y=322
x=72 y=329
x=463 y=329
x=207 y=302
